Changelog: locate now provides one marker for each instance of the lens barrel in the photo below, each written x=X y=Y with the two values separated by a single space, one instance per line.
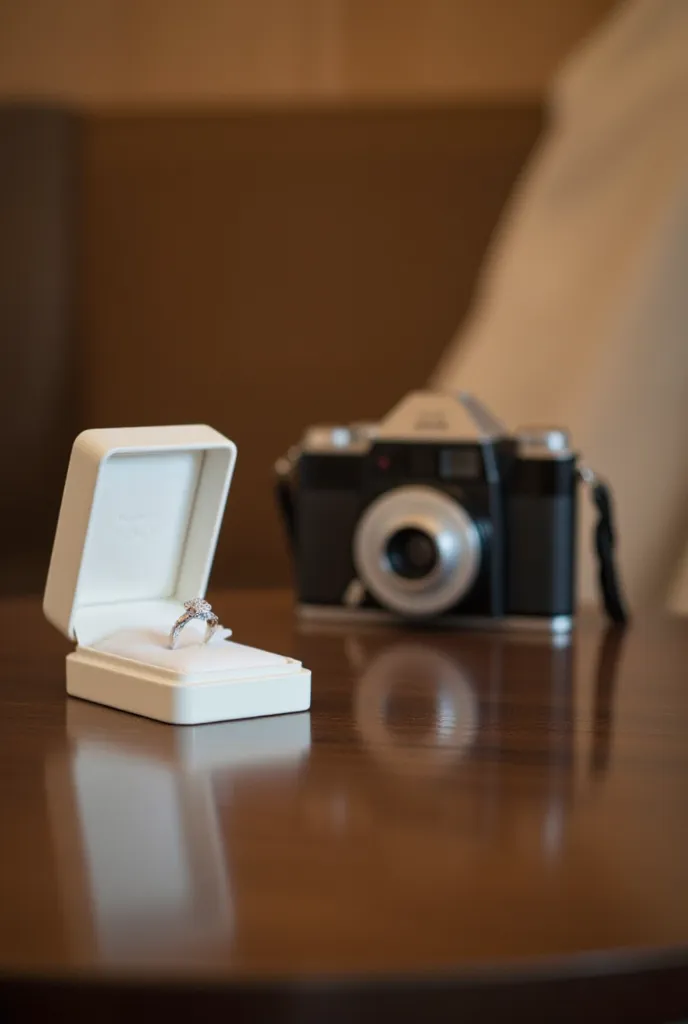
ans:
x=412 y=553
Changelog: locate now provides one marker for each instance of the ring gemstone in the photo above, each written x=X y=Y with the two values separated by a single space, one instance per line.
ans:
x=199 y=608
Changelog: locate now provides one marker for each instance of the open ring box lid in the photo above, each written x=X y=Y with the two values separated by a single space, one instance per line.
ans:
x=136 y=536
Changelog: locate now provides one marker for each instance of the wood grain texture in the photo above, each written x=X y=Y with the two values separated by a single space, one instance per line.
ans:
x=481 y=822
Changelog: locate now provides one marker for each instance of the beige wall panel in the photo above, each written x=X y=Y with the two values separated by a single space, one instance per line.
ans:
x=113 y=52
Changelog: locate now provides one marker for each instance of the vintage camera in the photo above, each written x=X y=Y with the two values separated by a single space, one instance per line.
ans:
x=437 y=512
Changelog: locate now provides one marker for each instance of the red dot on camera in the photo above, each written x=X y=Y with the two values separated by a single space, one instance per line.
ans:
x=383 y=462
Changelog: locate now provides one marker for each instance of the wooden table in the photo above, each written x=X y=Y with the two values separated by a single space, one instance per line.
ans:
x=465 y=826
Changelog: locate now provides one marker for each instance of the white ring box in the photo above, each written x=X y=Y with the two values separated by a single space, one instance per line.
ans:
x=136 y=536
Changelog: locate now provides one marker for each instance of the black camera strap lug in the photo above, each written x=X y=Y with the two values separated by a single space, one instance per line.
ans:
x=605 y=544
x=284 y=467
x=355 y=594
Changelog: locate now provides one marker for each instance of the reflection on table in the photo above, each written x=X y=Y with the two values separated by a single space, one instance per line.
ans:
x=451 y=714
x=434 y=783
x=137 y=800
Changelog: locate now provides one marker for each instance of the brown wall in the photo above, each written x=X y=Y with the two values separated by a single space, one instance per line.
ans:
x=39 y=159
x=203 y=258
x=258 y=272
x=265 y=272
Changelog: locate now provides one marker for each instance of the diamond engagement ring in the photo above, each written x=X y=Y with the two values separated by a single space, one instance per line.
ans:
x=196 y=609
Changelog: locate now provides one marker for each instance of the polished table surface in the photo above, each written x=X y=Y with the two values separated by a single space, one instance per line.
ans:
x=459 y=815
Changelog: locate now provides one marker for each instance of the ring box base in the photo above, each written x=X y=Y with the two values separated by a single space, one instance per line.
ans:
x=90 y=677
x=139 y=521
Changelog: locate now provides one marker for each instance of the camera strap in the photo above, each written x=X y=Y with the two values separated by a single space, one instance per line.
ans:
x=285 y=498
x=605 y=544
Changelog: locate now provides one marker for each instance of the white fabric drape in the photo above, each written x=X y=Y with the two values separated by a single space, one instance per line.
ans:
x=581 y=317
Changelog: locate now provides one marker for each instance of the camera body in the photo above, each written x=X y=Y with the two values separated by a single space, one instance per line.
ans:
x=436 y=513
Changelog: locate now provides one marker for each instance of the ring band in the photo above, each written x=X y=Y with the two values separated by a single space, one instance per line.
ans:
x=196 y=609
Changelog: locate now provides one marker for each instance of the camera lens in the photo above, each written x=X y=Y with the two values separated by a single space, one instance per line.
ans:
x=417 y=551
x=411 y=553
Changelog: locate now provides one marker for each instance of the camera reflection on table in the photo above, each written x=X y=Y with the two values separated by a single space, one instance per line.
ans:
x=453 y=713
x=449 y=715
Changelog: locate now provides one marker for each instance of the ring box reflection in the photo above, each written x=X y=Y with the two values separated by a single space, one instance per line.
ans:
x=135 y=812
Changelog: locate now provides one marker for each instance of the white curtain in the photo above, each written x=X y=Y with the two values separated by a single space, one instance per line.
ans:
x=581 y=317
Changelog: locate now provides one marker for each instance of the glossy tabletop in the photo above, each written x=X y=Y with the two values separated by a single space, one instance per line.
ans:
x=461 y=816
